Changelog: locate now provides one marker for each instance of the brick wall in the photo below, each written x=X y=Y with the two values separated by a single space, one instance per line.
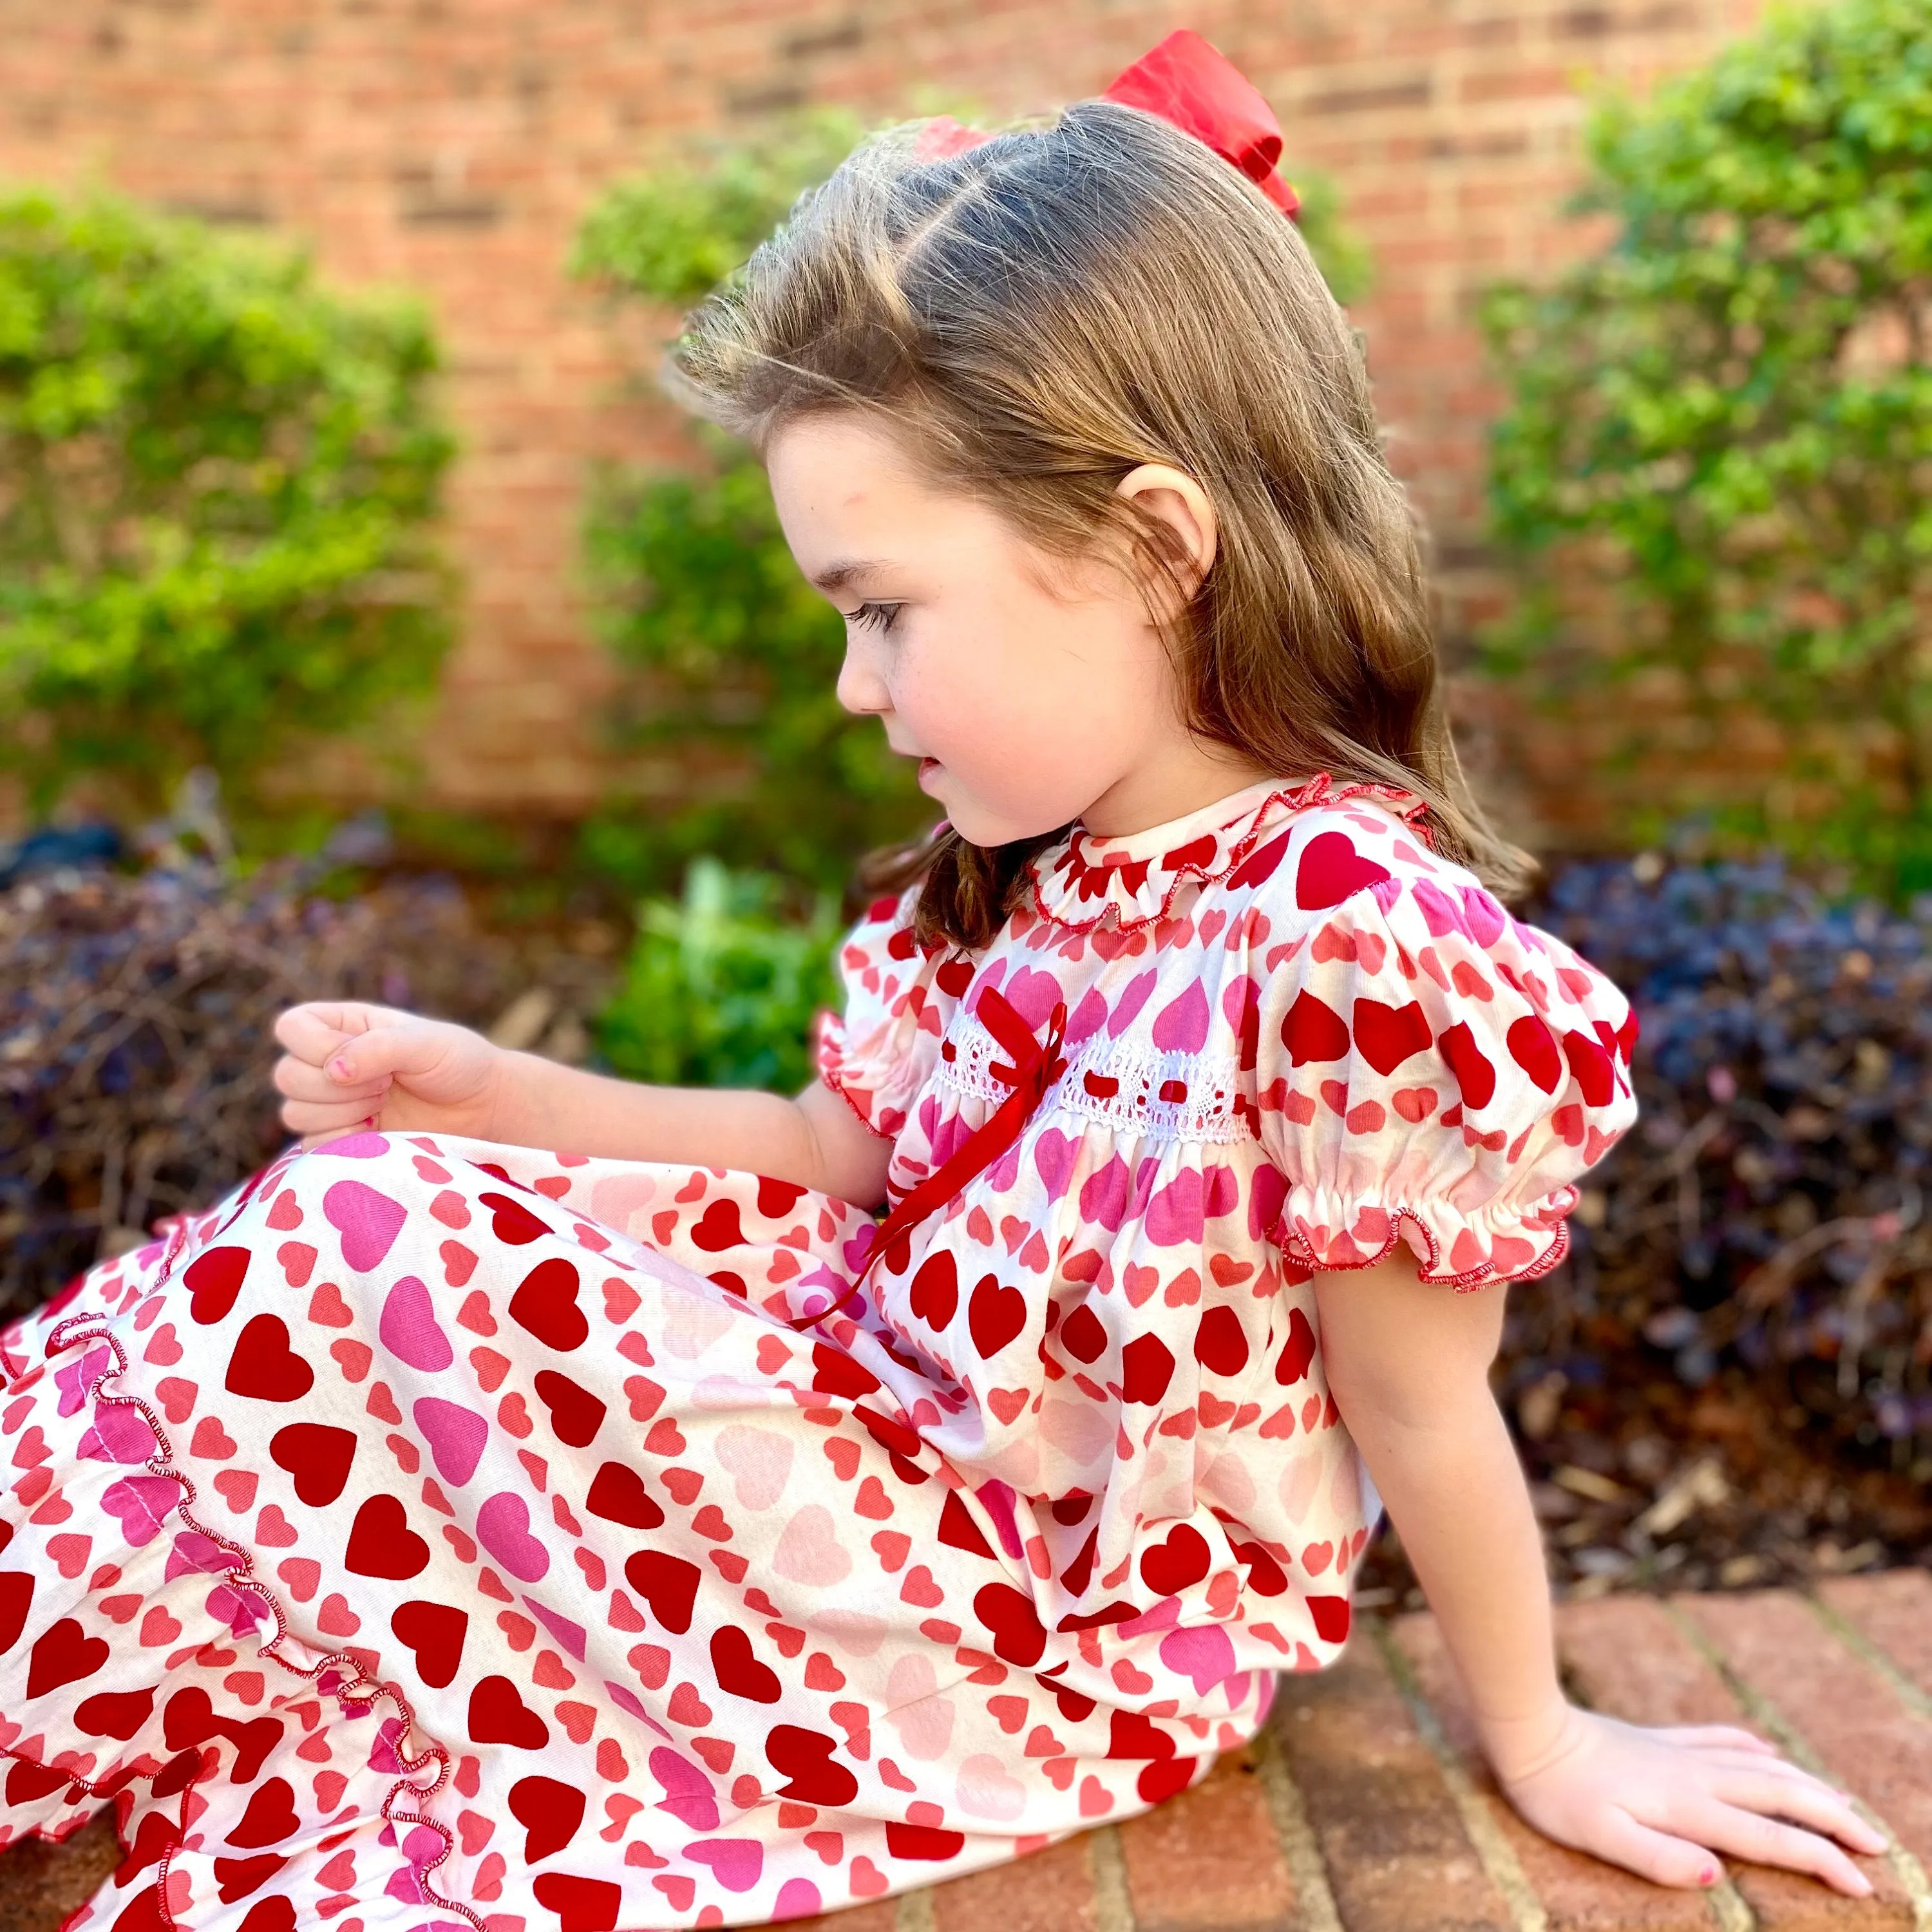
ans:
x=453 y=145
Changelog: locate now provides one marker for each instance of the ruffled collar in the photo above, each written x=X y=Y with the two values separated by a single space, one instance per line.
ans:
x=1133 y=880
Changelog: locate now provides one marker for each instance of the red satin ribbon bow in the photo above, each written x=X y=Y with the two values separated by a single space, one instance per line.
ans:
x=1193 y=86
x=1196 y=87
x=1036 y=1067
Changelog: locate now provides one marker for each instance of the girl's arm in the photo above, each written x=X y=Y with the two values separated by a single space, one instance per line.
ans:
x=1408 y=1364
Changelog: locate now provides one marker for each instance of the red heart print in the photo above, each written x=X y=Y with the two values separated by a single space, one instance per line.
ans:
x=548 y=1672
x=210 y=1441
x=803 y=1758
x=1220 y=1343
x=995 y=1315
x=214 y=1280
x=17 y=1595
x=264 y=1367
x=70 y=1553
x=719 y=1228
x=287 y=1212
x=776 y=1198
x=511 y=1222
x=549 y=1814
x=335 y=1618
x=451 y=1209
x=1082 y=1336
x=459 y=1264
x=1311 y=1030
x=381 y=1543
x=1009 y=1713
x=1331 y=871
x=64 y=1654
x=919 y=1589
x=737 y=1670
x=1007 y=1404
x=934 y=1299
x=273 y=1528
x=165 y=1349
x=115 y=1714
x=318 y=1455
x=1533 y=1047
x=668 y=1585
x=177 y=1398
x=922 y=1841
x=1386 y=1036
x=1297 y=1352
x=1474 y=1073
x=236 y=1488
x=1168 y=1568
x=474 y=1313
x=578 y=1720
x=298 y=1260
x=498 y=1715
x=270 y=1818
x=327 y=1309
x=1147 y=1366
x=1595 y=1074
x=575 y=1414
x=301 y=1574
x=1414 y=1104
x=589 y=1904
x=683 y=1484
x=1009 y=1614
x=545 y=1306
x=1331 y=1617
x=618 y=1494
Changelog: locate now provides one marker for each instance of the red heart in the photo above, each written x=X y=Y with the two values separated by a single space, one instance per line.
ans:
x=803 y=1758
x=1473 y=1073
x=499 y=1716
x=618 y=1494
x=1220 y=1343
x=586 y=1904
x=1007 y=1404
x=264 y=1366
x=1018 y=1636
x=1260 y=865
x=1533 y=1047
x=16 y=1596
x=776 y=1198
x=550 y=1813
x=575 y=1414
x=317 y=1455
x=545 y=1305
x=435 y=1632
x=115 y=1714
x=214 y=1280
x=327 y=1309
x=511 y=1222
x=935 y=1289
x=381 y=1543
x=1389 y=1035
x=287 y=1212
x=64 y=1654
x=667 y=1584
x=1297 y=1352
x=298 y=1259
x=1147 y=1366
x=1331 y=1617
x=737 y=1670
x=995 y=1315
x=1591 y=1065
x=1331 y=871
x=718 y=1228
x=270 y=1817
x=1168 y=1568
x=1312 y=1030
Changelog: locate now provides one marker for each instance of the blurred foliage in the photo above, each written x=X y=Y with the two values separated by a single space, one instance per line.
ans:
x=216 y=482
x=722 y=988
x=733 y=658
x=1716 y=457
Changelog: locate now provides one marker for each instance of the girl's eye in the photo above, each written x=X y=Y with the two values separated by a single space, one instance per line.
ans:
x=878 y=616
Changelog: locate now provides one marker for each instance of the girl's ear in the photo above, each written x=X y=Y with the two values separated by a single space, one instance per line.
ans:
x=1188 y=530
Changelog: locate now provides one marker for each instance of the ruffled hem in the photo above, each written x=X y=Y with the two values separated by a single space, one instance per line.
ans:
x=1515 y=1245
x=338 y=1673
x=1074 y=879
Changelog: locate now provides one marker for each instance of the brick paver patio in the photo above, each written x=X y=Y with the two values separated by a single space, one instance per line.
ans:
x=1362 y=1809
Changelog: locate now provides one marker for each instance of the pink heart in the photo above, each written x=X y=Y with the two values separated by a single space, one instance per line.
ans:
x=163 y=1349
x=503 y=1529
x=455 y=1435
x=368 y=1222
x=118 y=1434
x=70 y=1553
x=236 y=1488
x=301 y=1574
x=335 y=1618
x=409 y=1329
x=1203 y=1653
x=353 y=1147
x=689 y=1796
x=738 y=1862
x=297 y=1260
x=273 y=1529
x=140 y=1503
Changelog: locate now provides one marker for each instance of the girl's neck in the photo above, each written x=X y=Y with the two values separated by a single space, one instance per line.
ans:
x=1156 y=792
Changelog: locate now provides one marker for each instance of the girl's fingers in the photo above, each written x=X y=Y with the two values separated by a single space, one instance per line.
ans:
x=299 y=1081
x=306 y=1117
x=1766 y=1841
x=1805 y=1801
x=1718 y=1737
x=1660 y=1856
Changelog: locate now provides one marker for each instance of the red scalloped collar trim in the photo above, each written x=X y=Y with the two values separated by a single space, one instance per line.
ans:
x=1091 y=878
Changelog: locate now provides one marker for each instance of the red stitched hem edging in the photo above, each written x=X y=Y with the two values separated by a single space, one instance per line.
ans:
x=80 y=1329
x=1319 y=789
x=1467 y=1282
x=838 y=1086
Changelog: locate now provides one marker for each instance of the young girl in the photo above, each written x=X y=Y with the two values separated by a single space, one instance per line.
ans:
x=638 y=1534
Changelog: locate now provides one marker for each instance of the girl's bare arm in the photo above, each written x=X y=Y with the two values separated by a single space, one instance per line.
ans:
x=1408 y=1364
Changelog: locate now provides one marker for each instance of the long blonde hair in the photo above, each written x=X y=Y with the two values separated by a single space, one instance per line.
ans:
x=1041 y=313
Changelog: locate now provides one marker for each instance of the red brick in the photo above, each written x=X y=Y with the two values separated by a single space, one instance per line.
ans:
x=1628 y=1657
x=1893 y=1612
x=1855 y=1721
x=1390 y=1836
x=1207 y=1861
x=1051 y=1891
x=1580 y=1893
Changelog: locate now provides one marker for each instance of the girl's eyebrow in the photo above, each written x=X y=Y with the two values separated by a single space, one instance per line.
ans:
x=837 y=576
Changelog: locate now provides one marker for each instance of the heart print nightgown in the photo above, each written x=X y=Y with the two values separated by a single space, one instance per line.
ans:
x=438 y=1533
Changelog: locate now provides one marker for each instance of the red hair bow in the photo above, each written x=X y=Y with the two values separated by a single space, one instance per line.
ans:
x=1193 y=86
x=1200 y=91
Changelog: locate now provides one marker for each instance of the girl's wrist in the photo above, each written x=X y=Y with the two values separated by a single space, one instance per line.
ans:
x=1520 y=1747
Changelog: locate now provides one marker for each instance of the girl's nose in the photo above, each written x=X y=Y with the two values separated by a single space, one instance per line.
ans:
x=860 y=689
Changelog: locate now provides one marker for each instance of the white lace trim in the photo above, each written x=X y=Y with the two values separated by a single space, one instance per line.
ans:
x=1114 y=1083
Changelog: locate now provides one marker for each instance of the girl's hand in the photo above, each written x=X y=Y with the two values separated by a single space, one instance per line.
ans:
x=351 y=1064
x=1667 y=1804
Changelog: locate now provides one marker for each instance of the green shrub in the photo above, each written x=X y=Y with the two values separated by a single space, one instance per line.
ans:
x=1716 y=458
x=721 y=989
x=732 y=657
x=215 y=485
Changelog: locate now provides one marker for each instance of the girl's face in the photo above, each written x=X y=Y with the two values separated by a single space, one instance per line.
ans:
x=1032 y=690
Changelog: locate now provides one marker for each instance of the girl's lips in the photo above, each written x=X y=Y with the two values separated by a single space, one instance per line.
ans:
x=928 y=765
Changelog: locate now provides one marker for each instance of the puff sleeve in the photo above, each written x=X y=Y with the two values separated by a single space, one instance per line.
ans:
x=880 y=1051
x=1431 y=1069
